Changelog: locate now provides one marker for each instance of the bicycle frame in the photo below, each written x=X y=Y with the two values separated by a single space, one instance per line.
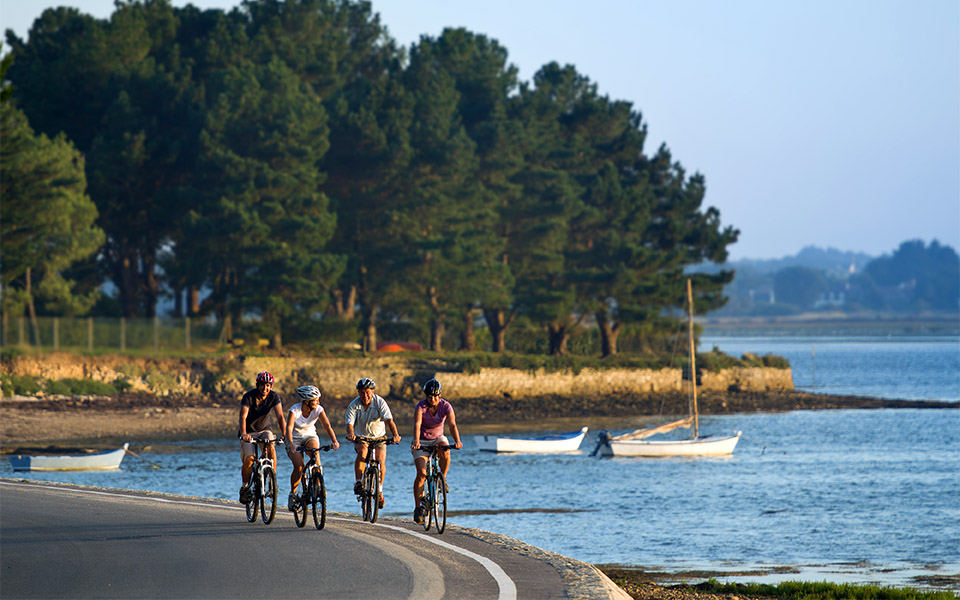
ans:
x=263 y=483
x=312 y=488
x=433 y=503
x=369 y=497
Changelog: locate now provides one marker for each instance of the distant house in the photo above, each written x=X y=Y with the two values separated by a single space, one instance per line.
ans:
x=762 y=295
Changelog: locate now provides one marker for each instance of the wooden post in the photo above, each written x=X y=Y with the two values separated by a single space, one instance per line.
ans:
x=693 y=364
x=187 y=331
x=20 y=331
x=156 y=332
x=123 y=334
x=90 y=334
x=56 y=333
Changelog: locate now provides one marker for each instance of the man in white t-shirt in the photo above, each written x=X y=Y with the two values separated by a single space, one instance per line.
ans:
x=301 y=431
x=369 y=416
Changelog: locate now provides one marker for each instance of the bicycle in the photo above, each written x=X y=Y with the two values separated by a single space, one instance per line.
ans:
x=263 y=484
x=433 y=502
x=313 y=492
x=369 y=496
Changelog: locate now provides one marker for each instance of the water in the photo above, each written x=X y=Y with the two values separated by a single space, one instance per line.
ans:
x=909 y=368
x=844 y=495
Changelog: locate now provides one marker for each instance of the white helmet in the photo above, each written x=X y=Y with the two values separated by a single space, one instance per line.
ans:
x=307 y=392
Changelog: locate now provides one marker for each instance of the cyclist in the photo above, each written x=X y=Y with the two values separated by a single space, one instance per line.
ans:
x=301 y=430
x=429 y=417
x=256 y=407
x=371 y=416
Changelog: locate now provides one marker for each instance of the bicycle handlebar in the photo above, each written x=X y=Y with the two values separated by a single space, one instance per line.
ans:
x=438 y=447
x=302 y=448
x=374 y=441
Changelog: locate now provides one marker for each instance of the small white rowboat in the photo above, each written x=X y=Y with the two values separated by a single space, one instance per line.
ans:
x=103 y=461
x=561 y=442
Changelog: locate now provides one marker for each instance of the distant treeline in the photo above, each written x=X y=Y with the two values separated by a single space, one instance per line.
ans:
x=314 y=179
x=915 y=278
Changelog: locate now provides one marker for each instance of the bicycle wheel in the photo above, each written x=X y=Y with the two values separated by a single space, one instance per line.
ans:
x=318 y=499
x=428 y=507
x=300 y=506
x=374 y=493
x=366 y=503
x=268 y=500
x=253 y=499
x=440 y=504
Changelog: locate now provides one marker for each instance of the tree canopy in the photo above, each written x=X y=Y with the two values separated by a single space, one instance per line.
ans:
x=288 y=161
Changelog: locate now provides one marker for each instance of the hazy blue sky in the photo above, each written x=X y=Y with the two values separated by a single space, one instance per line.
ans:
x=832 y=123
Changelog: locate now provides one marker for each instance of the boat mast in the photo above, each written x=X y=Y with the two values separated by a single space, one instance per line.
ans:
x=693 y=362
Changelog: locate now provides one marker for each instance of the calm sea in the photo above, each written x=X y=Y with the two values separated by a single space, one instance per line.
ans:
x=843 y=495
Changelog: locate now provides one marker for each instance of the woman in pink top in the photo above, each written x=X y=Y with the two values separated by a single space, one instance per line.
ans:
x=429 y=416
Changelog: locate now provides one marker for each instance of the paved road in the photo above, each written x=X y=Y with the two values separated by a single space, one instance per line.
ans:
x=70 y=542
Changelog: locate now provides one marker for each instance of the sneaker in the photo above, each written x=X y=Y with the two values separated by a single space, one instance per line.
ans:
x=358 y=488
x=417 y=515
x=245 y=493
x=380 y=501
x=292 y=502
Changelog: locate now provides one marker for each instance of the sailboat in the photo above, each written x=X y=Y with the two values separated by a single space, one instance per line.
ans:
x=636 y=444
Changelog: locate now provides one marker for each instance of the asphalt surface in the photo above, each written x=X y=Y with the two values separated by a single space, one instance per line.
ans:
x=59 y=541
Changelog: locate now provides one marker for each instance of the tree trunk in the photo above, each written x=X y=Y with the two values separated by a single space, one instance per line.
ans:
x=226 y=332
x=497 y=323
x=193 y=301
x=125 y=277
x=467 y=339
x=151 y=287
x=558 y=339
x=31 y=310
x=370 y=329
x=437 y=329
x=609 y=332
x=344 y=304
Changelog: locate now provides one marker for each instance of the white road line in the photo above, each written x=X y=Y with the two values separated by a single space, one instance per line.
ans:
x=508 y=589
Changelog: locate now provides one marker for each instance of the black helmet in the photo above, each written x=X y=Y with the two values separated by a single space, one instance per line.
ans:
x=432 y=388
x=366 y=384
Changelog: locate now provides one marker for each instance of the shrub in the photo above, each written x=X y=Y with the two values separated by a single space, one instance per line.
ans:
x=19 y=385
x=80 y=387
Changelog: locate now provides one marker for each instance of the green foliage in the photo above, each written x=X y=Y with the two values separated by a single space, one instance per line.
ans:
x=799 y=590
x=19 y=385
x=80 y=387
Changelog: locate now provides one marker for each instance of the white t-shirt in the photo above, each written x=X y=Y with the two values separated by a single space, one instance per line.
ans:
x=369 y=421
x=305 y=425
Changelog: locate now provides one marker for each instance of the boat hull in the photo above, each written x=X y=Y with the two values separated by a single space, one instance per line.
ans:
x=705 y=446
x=105 y=461
x=567 y=442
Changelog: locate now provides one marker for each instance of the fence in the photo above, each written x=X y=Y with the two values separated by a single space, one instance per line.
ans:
x=58 y=333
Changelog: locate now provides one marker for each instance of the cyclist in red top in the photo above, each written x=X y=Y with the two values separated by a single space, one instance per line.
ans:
x=255 y=409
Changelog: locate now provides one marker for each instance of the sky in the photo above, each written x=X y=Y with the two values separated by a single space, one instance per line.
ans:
x=815 y=122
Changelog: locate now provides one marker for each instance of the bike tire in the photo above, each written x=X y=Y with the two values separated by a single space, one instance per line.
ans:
x=318 y=499
x=440 y=504
x=300 y=506
x=253 y=500
x=431 y=494
x=365 y=501
x=268 y=499
x=374 y=493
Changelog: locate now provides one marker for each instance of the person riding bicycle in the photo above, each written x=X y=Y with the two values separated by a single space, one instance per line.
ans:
x=301 y=430
x=371 y=416
x=256 y=406
x=429 y=417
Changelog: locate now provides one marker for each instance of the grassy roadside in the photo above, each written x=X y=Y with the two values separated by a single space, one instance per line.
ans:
x=639 y=586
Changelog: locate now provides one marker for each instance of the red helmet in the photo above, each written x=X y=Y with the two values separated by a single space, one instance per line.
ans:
x=264 y=377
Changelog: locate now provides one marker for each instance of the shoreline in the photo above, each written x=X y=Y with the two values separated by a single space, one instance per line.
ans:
x=105 y=421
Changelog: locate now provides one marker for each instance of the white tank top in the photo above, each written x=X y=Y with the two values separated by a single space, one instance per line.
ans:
x=305 y=425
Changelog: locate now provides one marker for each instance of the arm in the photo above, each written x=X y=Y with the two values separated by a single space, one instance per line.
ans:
x=329 y=429
x=278 y=412
x=349 y=421
x=452 y=425
x=417 y=423
x=244 y=411
x=393 y=429
x=288 y=431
